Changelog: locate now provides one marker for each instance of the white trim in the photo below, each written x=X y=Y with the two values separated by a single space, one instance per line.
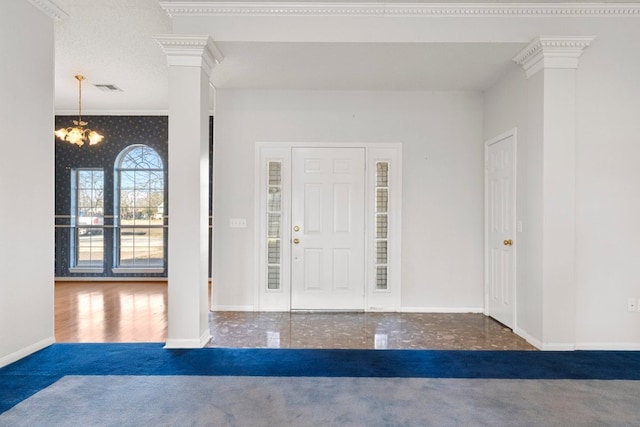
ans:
x=558 y=346
x=281 y=300
x=631 y=346
x=26 y=351
x=232 y=308
x=188 y=50
x=109 y=279
x=188 y=343
x=512 y=133
x=86 y=270
x=473 y=310
x=131 y=270
x=89 y=113
x=552 y=52
x=50 y=9
x=229 y=8
x=528 y=338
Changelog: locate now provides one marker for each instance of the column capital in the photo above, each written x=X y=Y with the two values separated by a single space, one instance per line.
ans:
x=552 y=52
x=190 y=51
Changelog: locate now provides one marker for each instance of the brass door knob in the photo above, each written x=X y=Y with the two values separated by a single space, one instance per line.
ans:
x=296 y=241
x=296 y=228
x=508 y=242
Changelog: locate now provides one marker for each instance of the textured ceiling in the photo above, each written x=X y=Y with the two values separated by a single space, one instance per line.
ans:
x=111 y=42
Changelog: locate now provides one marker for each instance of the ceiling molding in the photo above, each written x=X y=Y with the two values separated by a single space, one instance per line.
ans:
x=190 y=50
x=217 y=8
x=50 y=9
x=552 y=52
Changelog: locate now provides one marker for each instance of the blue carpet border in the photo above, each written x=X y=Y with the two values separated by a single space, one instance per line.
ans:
x=27 y=376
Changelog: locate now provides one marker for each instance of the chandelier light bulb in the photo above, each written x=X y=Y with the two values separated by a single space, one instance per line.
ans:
x=78 y=134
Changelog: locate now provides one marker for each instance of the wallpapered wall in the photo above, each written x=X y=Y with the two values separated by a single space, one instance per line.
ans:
x=120 y=132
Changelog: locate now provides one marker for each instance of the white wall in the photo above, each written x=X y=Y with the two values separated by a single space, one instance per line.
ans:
x=607 y=267
x=26 y=180
x=505 y=108
x=441 y=133
x=608 y=190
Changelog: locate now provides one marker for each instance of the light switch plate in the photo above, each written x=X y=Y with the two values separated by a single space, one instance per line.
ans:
x=238 y=223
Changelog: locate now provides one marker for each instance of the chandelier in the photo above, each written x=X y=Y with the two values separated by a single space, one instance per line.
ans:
x=78 y=134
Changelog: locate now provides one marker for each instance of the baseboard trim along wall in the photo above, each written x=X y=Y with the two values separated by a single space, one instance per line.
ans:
x=24 y=352
x=232 y=308
x=188 y=343
x=441 y=310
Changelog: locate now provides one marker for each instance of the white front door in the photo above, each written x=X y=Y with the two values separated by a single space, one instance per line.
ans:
x=501 y=236
x=328 y=228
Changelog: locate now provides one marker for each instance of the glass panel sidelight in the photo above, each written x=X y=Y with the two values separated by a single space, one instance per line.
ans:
x=382 y=224
x=274 y=222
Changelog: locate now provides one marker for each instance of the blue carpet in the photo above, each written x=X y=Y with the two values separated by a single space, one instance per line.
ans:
x=24 y=378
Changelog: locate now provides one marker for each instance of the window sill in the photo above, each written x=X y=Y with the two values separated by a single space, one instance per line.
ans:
x=86 y=270
x=129 y=270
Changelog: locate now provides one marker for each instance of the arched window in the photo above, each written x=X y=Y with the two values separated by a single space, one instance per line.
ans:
x=139 y=232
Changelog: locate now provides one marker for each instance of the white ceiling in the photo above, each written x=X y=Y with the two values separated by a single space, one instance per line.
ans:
x=111 y=42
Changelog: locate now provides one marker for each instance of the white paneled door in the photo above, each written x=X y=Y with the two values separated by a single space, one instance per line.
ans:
x=501 y=223
x=328 y=228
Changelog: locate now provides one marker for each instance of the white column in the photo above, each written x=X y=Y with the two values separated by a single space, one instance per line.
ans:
x=550 y=64
x=190 y=59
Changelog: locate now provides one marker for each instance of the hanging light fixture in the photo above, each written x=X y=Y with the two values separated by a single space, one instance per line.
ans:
x=78 y=134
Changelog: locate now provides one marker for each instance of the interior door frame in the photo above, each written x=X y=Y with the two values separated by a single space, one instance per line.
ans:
x=374 y=300
x=513 y=134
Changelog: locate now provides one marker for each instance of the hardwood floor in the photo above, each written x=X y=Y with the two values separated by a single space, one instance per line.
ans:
x=111 y=311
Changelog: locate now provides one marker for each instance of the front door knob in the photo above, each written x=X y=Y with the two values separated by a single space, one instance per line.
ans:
x=296 y=241
x=508 y=242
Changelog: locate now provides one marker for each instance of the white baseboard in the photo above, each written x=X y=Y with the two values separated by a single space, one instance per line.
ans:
x=558 y=346
x=631 y=346
x=188 y=343
x=441 y=309
x=24 y=352
x=528 y=338
x=232 y=308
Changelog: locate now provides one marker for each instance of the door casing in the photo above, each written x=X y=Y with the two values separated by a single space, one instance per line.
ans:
x=512 y=134
x=374 y=300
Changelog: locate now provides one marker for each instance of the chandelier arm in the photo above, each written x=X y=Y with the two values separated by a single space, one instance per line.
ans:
x=80 y=78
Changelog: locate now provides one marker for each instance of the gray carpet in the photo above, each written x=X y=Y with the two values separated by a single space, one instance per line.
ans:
x=301 y=401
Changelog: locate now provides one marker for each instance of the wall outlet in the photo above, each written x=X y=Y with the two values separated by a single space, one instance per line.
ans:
x=238 y=223
x=632 y=304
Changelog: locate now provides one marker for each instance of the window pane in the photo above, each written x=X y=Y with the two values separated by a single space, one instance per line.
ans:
x=381 y=277
x=274 y=251
x=382 y=199
x=381 y=252
x=139 y=225
x=274 y=173
x=89 y=250
x=141 y=247
x=274 y=225
x=274 y=199
x=381 y=226
x=382 y=174
x=87 y=210
x=273 y=277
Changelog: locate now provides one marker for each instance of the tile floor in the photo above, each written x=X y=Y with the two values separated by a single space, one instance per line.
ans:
x=362 y=331
x=137 y=312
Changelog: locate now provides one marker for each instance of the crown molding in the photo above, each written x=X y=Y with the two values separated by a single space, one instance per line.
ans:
x=552 y=52
x=50 y=9
x=190 y=50
x=218 y=8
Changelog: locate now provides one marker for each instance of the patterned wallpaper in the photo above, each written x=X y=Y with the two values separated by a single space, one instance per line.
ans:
x=120 y=132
